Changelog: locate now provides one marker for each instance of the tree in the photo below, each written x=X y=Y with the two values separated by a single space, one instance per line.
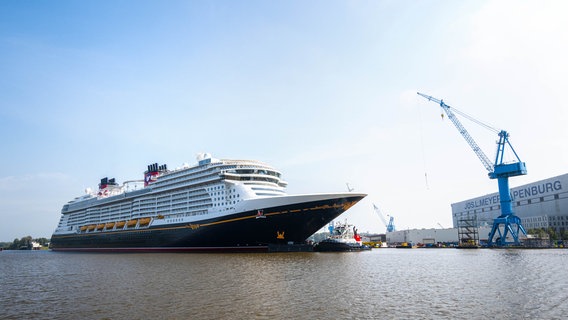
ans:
x=42 y=241
x=539 y=232
x=15 y=245
x=24 y=243
x=552 y=233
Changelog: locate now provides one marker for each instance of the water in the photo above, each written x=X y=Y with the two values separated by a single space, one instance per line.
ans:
x=377 y=284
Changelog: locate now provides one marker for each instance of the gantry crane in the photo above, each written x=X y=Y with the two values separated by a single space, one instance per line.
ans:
x=507 y=223
x=390 y=224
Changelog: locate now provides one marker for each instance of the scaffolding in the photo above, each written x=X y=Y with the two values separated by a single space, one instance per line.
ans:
x=468 y=233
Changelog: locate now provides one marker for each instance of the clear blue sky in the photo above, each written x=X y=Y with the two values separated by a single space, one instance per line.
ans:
x=325 y=91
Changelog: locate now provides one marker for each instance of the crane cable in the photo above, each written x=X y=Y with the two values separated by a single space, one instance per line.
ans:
x=472 y=119
x=422 y=145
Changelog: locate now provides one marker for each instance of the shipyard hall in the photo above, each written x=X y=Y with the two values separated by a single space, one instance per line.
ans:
x=540 y=205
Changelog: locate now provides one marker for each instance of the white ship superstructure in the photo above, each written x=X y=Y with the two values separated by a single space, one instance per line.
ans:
x=213 y=187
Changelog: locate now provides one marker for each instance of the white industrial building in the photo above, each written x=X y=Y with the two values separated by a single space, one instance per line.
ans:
x=425 y=236
x=432 y=236
x=541 y=204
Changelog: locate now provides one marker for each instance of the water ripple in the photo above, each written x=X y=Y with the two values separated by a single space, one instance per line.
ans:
x=383 y=283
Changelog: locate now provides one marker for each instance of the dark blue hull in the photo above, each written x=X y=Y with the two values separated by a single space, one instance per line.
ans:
x=283 y=225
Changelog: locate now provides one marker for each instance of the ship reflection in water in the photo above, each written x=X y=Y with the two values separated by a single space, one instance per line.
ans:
x=381 y=283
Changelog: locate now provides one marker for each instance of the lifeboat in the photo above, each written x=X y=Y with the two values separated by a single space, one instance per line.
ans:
x=100 y=226
x=131 y=223
x=120 y=224
x=83 y=228
x=145 y=221
x=109 y=225
x=91 y=227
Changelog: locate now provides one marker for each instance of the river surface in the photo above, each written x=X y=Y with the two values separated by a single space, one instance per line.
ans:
x=377 y=284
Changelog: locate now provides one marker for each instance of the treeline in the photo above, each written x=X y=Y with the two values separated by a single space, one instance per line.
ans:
x=24 y=243
x=550 y=232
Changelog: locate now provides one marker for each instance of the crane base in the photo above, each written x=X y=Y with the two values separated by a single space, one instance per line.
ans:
x=506 y=226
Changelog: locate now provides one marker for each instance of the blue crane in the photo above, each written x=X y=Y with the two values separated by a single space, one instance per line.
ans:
x=507 y=223
x=390 y=224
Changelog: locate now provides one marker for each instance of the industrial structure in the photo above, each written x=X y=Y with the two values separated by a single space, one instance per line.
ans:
x=390 y=225
x=507 y=224
x=423 y=236
x=542 y=205
x=468 y=231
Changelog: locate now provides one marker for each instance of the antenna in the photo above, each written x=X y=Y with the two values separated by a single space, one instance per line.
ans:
x=348 y=187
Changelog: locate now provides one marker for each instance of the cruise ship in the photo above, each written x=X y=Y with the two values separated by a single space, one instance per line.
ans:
x=213 y=206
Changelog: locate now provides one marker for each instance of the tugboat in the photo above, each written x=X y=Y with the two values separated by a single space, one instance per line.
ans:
x=343 y=237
